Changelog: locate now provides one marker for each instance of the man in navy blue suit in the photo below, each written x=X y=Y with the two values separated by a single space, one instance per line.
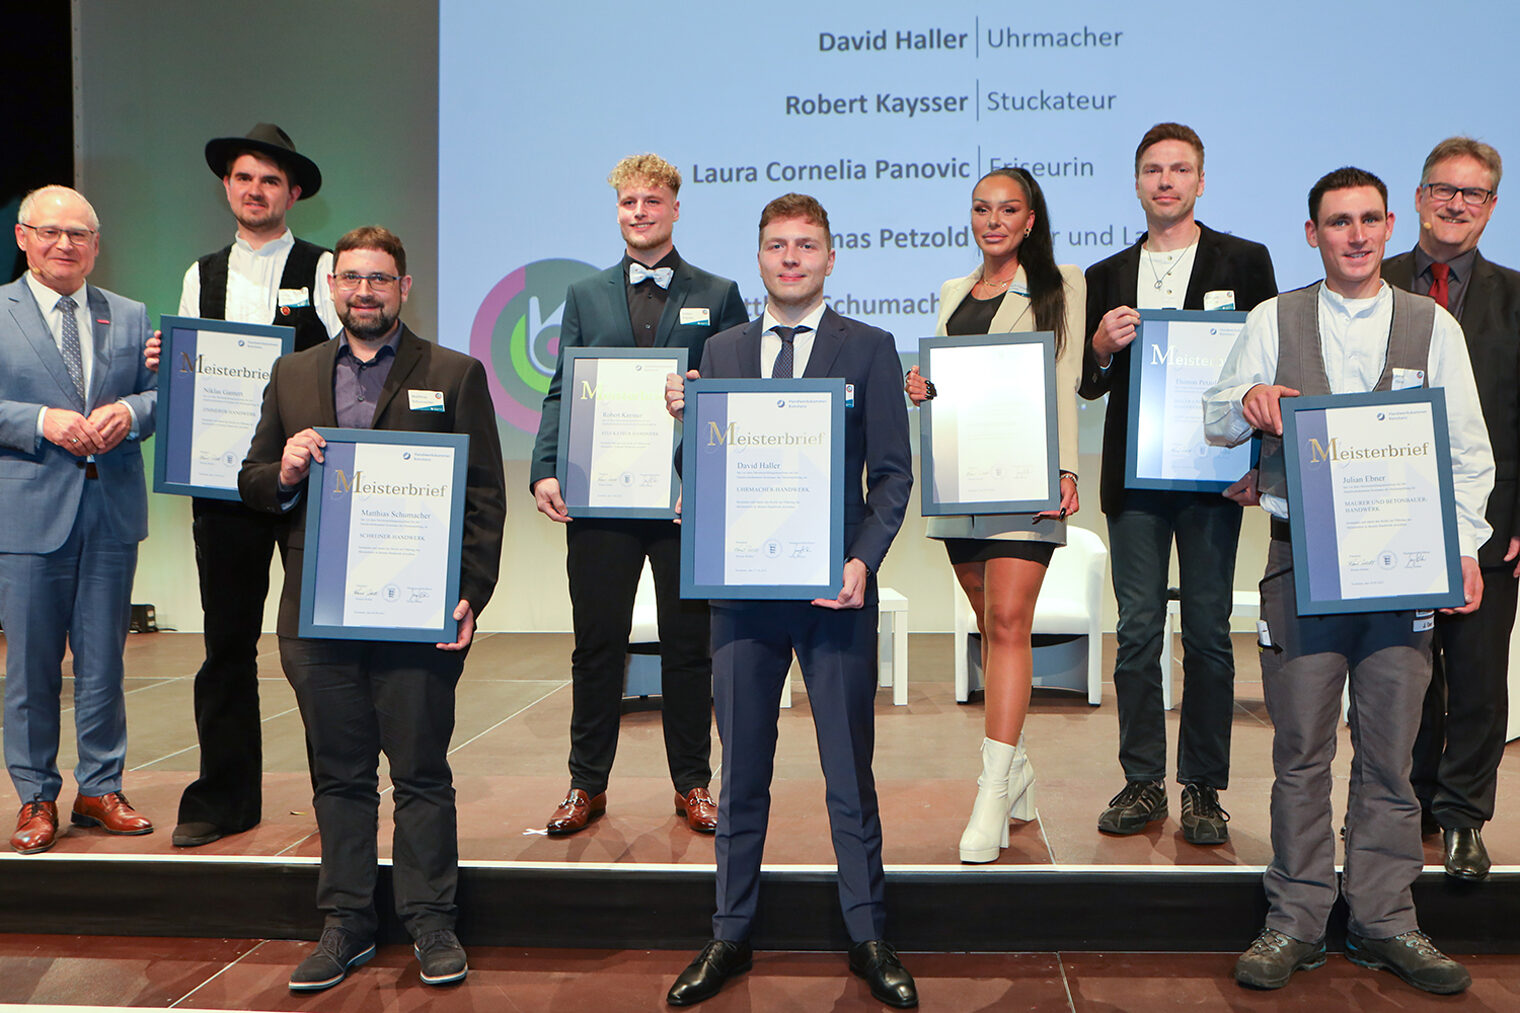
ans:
x=834 y=639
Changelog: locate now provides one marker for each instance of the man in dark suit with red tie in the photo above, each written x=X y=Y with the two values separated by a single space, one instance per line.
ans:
x=359 y=698
x=834 y=639
x=1462 y=731
x=651 y=299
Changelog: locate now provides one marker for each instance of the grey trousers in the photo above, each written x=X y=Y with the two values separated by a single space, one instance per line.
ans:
x=1387 y=655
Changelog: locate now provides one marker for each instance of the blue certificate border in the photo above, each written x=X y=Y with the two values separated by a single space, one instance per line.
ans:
x=573 y=423
x=172 y=451
x=933 y=507
x=315 y=549
x=1142 y=373
x=702 y=522
x=1314 y=545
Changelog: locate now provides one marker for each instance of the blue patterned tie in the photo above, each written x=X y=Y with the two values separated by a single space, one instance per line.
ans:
x=786 y=358
x=71 y=357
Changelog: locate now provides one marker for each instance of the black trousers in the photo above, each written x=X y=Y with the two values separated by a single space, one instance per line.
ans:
x=360 y=698
x=1461 y=740
x=233 y=547
x=604 y=559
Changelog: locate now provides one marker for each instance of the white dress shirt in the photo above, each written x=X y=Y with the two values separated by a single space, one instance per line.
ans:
x=802 y=344
x=1354 y=344
x=47 y=301
x=253 y=285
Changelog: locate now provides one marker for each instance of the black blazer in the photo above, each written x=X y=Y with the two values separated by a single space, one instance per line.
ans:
x=876 y=426
x=1491 y=323
x=300 y=395
x=1222 y=262
x=596 y=313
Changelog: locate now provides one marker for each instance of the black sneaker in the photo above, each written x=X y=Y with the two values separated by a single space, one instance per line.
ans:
x=1271 y=960
x=1203 y=820
x=442 y=958
x=1138 y=805
x=1411 y=956
x=337 y=953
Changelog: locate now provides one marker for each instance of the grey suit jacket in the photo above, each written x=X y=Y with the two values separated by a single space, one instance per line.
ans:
x=41 y=484
x=596 y=313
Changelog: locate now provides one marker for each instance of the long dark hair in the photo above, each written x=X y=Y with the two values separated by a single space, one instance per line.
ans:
x=1047 y=292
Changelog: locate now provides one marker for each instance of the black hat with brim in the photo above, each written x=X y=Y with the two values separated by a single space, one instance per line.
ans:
x=268 y=139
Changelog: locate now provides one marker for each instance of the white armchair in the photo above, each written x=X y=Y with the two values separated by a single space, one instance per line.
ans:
x=1070 y=602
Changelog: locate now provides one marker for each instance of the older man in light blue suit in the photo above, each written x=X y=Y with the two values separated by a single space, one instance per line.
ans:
x=75 y=399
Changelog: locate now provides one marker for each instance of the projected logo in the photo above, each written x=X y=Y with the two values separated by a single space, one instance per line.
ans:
x=516 y=335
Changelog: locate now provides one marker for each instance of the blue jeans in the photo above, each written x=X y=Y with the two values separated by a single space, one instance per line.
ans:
x=1206 y=527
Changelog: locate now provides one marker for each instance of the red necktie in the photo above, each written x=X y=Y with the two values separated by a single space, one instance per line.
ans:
x=1438 y=289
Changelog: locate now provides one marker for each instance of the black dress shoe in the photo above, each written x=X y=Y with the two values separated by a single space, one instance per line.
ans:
x=1466 y=857
x=890 y=982
x=193 y=835
x=718 y=961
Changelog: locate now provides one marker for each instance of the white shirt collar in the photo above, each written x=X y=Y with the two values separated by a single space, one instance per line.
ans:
x=269 y=249
x=1354 y=308
x=48 y=298
x=810 y=321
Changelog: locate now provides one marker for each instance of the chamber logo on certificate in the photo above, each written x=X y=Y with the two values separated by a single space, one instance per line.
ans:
x=1176 y=357
x=383 y=535
x=763 y=513
x=211 y=390
x=1373 y=501
x=617 y=442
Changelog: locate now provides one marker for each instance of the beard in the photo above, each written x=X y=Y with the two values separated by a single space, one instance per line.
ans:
x=374 y=325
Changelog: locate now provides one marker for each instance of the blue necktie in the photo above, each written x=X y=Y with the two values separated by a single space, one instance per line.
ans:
x=72 y=359
x=787 y=357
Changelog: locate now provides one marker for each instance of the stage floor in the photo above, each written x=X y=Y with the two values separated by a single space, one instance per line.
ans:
x=249 y=974
x=512 y=737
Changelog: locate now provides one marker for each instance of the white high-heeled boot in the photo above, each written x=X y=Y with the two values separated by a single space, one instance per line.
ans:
x=987 y=831
x=1021 y=785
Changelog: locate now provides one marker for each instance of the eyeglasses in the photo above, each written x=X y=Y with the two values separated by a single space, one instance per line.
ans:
x=379 y=282
x=1475 y=196
x=51 y=233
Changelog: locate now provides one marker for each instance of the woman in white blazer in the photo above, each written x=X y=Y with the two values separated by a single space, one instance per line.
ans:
x=1000 y=559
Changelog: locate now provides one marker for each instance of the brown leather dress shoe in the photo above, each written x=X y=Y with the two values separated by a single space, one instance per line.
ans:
x=576 y=811
x=700 y=810
x=110 y=811
x=36 y=827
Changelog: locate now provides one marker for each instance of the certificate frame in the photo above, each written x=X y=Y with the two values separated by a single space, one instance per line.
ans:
x=319 y=556
x=932 y=504
x=1147 y=394
x=173 y=445
x=577 y=433
x=703 y=518
x=1311 y=509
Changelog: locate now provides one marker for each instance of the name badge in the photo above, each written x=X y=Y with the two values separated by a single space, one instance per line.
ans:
x=849 y=395
x=425 y=400
x=1405 y=379
x=294 y=297
x=1220 y=299
x=696 y=315
x=1424 y=621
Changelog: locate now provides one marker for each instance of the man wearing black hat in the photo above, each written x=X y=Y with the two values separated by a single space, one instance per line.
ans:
x=265 y=276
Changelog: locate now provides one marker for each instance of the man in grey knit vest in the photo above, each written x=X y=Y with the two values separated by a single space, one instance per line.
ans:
x=1350 y=333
